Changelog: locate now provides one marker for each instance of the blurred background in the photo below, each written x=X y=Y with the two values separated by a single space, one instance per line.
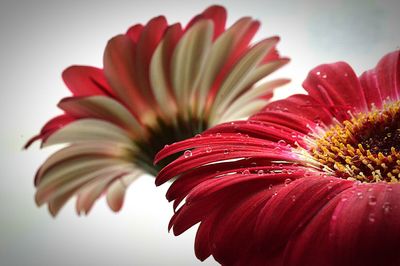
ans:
x=41 y=38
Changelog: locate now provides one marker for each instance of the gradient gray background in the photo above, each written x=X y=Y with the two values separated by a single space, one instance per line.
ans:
x=40 y=38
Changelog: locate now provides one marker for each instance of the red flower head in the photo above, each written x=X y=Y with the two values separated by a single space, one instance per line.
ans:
x=160 y=83
x=310 y=180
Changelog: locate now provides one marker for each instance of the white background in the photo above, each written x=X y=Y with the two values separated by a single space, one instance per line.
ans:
x=41 y=38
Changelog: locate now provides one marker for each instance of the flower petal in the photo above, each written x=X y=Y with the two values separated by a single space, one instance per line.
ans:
x=383 y=82
x=86 y=81
x=336 y=86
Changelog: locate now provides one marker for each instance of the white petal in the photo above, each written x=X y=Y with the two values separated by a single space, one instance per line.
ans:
x=116 y=191
x=88 y=130
x=111 y=150
x=159 y=84
x=91 y=192
x=104 y=108
x=234 y=110
x=68 y=174
x=188 y=60
x=233 y=84
x=217 y=58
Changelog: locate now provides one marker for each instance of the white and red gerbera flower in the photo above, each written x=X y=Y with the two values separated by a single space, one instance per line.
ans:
x=160 y=83
x=313 y=179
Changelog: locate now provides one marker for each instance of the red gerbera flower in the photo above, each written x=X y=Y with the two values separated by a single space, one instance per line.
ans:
x=160 y=83
x=310 y=180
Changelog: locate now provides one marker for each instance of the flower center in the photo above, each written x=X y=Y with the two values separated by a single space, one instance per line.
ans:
x=364 y=148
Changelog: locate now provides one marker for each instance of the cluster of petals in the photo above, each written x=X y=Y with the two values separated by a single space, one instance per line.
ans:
x=260 y=200
x=160 y=83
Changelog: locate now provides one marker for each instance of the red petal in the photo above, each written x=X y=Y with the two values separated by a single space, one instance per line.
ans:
x=50 y=127
x=86 y=81
x=337 y=86
x=304 y=106
x=134 y=32
x=383 y=82
x=149 y=39
x=370 y=221
x=119 y=68
x=218 y=15
x=292 y=208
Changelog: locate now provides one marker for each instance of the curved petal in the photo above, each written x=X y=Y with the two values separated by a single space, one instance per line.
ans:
x=383 y=82
x=86 y=81
x=336 y=86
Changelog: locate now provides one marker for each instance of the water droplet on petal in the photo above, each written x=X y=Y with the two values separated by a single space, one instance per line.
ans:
x=166 y=146
x=294 y=198
x=318 y=73
x=288 y=181
x=187 y=154
x=260 y=172
x=386 y=207
x=226 y=151
x=359 y=195
x=324 y=76
x=334 y=217
x=270 y=187
x=197 y=136
x=371 y=200
x=208 y=149
x=371 y=217
x=282 y=142
x=246 y=172
x=218 y=135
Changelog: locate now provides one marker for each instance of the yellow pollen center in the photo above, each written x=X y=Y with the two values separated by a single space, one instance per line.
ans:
x=364 y=148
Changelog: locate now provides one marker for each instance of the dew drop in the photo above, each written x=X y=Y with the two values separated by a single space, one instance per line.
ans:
x=208 y=149
x=386 y=207
x=282 y=142
x=270 y=187
x=239 y=134
x=260 y=172
x=288 y=181
x=246 y=172
x=293 y=198
x=318 y=73
x=187 y=154
x=218 y=135
x=372 y=200
x=360 y=195
x=166 y=146
x=226 y=151
x=324 y=76
x=371 y=217
x=197 y=136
